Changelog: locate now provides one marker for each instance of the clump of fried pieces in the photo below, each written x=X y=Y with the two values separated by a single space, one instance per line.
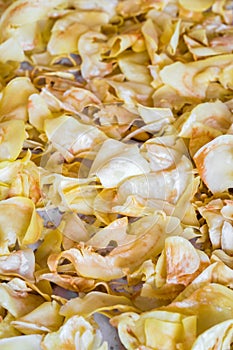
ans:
x=116 y=173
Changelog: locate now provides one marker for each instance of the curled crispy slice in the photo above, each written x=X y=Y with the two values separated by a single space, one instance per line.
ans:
x=38 y=111
x=51 y=244
x=20 y=263
x=10 y=146
x=126 y=161
x=217 y=179
x=76 y=137
x=19 y=221
x=133 y=67
x=77 y=22
x=90 y=46
x=121 y=259
x=192 y=79
x=21 y=13
x=120 y=43
x=35 y=322
x=183 y=262
x=20 y=178
x=69 y=282
x=17 y=298
x=216 y=115
x=95 y=302
x=12 y=107
x=167 y=185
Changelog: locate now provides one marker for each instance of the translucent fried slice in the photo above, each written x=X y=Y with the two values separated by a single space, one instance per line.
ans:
x=134 y=67
x=216 y=115
x=120 y=260
x=183 y=261
x=18 y=221
x=90 y=46
x=184 y=208
x=220 y=255
x=95 y=302
x=132 y=93
x=23 y=342
x=79 y=198
x=20 y=178
x=103 y=204
x=218 y=337
x=217 y=272
x=38 y=111
x=222 y=9
x=227 y=237
x=192 y=79
x=129 y=8
x=201 y=135
x=163 y=152
x=174 y=39
x=17 y=298
x=68 y=281
x=115 y=232
x=217 y=46
x=29 y=36
x=105 y=5
x=67 y=30
x=167 y=185
x=73 y=194
x=111 y=113
x=78 y=333
x=10 y=146
x=74 y=228
x=10 y=50
x=13 y=104
x=23 y=12
x=211 y=213
x=6 y=327
x=207 y=159
x=166 y=97
x=212 y=303
x=167 y=277
x=51 y=244
x=116 y=162
x=45 y=318
x=227 y=210
x=198 y=5
x=122 y=42
x=154 y=288
x=135 y=205
x=155 y=118
x=20 y=263
x=88 y=264
x=151 y=36
x=76 y=137
x=76 y=99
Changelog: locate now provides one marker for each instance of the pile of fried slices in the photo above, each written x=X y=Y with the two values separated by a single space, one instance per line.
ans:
x=116 y=173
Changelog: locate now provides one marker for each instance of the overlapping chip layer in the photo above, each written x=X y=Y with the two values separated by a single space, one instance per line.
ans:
x=116 y=173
